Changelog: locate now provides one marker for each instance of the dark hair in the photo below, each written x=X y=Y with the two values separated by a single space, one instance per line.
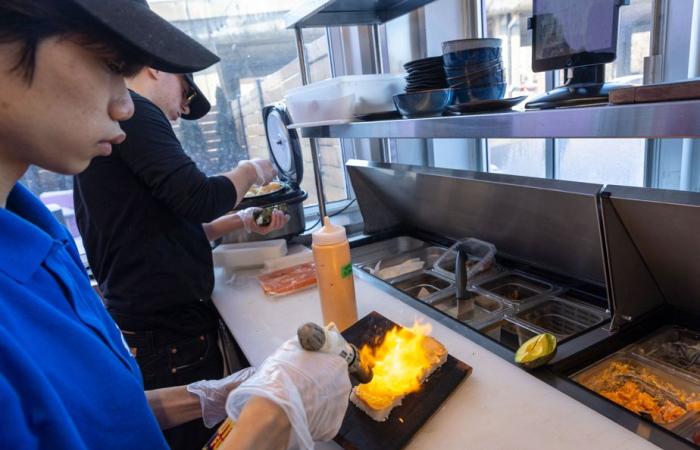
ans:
x=32 y=21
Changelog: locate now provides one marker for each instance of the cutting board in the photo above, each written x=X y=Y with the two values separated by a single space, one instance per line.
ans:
x=661 y=92
x=360 y=432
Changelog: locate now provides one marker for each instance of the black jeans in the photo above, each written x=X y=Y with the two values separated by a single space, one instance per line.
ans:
x=171 y=359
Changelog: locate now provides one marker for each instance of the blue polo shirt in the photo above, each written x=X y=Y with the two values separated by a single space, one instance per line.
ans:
x=67 y=380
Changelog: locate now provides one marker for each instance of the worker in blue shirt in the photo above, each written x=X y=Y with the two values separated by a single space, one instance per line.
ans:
x=67 y=379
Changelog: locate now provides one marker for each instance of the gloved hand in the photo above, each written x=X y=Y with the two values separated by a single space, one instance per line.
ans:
x=278 y=220
x=263 y=168
x=213 y=393
x=311 y=387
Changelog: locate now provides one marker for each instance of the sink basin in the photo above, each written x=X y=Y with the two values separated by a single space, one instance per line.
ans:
x=474 y=310
x=421 y=286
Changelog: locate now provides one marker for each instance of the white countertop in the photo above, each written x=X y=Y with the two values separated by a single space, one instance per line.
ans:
x=498 y=407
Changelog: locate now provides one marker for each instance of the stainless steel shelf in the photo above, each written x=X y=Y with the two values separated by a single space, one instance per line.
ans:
x=328 y=13
x=650 y=120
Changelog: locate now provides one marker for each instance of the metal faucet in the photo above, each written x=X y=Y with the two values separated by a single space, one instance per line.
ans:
x=461 y=272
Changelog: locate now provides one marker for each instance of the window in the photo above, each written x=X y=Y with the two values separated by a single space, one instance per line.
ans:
x=613 y=161
x=56 y=191
x=525 y=157
x=258 y=66
x=507 y=20
x=620 y=161
x=251 y=39
x=604 y=161
x=633 y=43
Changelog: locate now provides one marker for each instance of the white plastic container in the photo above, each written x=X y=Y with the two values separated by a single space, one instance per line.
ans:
x=248 y=254
x=296 y=254
x=340 y=99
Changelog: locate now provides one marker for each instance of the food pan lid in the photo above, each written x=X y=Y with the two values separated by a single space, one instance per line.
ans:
x=652 y=243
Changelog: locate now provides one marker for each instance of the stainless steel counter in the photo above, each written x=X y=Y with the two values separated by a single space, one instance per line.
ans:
x=498 y=407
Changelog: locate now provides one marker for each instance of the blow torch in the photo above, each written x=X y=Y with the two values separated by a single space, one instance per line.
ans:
x=314 y=338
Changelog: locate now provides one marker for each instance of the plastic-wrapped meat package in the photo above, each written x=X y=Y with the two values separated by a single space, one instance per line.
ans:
x=289 y=280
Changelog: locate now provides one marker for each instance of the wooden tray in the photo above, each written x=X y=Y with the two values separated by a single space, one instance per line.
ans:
x=661 y=92
x=360 y=432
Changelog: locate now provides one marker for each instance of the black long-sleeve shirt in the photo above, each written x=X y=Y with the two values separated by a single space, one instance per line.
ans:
x=140 y=213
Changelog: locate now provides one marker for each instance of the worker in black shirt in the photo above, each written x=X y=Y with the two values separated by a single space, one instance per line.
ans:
x=146 y=214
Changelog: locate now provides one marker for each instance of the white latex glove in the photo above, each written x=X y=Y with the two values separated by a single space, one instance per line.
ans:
x=263 y=168
x=213 y=393
x=311 y=387
x=279 y=219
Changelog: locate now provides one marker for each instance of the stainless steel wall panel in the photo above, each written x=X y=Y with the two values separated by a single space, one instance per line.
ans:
x=551 y=224
x=378 y=216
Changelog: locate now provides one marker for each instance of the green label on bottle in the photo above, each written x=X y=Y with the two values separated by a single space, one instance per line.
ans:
x=346 y=270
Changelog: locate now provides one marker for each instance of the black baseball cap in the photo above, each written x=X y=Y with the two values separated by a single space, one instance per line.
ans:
x=199 y=105
x=163 y=45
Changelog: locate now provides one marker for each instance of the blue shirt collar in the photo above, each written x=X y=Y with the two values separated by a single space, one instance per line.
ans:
x=27 y=232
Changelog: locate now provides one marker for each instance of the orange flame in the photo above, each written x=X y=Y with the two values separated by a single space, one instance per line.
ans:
x=398 y=365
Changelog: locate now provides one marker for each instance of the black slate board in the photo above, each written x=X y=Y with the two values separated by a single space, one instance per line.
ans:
x=360 y=432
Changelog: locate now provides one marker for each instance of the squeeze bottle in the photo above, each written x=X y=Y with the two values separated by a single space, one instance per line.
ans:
x=334 y=272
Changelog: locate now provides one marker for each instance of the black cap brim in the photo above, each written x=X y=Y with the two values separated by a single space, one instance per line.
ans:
x=199 y=106
x=163 y=45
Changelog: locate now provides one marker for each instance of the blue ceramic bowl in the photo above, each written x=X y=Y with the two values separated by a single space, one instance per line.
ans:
x=455 y=60
x=424 y=103
x=486 y=79
x=471 y=94
x=473 y=70
x=468 y=44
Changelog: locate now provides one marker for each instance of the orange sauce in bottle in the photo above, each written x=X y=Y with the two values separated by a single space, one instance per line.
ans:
x=336 y=285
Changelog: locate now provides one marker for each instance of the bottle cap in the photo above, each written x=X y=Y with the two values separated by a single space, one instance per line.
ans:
x=329 y=234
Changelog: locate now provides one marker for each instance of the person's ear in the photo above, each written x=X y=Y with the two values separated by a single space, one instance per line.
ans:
x=153 y=73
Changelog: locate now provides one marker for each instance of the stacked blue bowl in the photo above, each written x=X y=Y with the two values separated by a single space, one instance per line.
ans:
x=474 y=69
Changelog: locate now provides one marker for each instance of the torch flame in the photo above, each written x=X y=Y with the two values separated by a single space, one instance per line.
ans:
x=398 y=365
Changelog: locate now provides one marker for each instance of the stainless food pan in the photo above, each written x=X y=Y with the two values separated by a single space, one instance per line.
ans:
x=508 y=333
x=689 y=428
x=673 y=346
x=514 y=287
x=426 y=254
x=421 y=286
x=473 y=311
x=371 y=253
x=560 y=317
x=617 y=371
